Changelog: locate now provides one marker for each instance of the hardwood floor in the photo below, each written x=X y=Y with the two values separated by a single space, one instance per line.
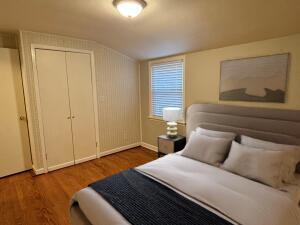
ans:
x=44 y=199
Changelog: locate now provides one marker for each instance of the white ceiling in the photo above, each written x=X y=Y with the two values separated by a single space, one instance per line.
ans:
x=165 y=27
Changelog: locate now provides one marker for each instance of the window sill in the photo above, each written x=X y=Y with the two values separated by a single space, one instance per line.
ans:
x=161 y=120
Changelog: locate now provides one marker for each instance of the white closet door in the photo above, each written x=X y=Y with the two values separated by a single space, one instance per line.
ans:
x=14 y=149
x=82 y=105
x=54 y=100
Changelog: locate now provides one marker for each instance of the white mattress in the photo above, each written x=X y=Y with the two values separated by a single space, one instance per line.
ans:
x=233 y=197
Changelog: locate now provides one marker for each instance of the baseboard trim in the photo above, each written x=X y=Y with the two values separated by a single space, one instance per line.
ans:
x=59 y=166
x=148 y=146
x=77 y=161
x=101 y=154
x=119 y=149
x=38 y=171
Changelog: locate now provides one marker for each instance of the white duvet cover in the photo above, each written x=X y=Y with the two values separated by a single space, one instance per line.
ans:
x=235 y=198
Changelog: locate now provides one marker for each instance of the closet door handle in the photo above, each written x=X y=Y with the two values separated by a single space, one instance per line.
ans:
x=73 y=117
x=69 y=117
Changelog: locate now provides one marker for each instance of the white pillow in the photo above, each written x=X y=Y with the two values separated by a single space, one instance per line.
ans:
x=217 y=134
x=206 y=149
x=257 y=164
x=290 y=161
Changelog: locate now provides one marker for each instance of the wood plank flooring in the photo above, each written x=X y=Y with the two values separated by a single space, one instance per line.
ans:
x=44 y=199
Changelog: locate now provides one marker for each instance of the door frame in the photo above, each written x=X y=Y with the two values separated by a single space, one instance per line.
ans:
x=37 y=92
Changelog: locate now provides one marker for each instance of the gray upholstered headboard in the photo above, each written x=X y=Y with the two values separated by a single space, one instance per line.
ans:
x=281 y=126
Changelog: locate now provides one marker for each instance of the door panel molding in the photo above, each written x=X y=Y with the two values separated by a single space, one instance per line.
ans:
x=36 y=85
x=55 y=108
x=81 y=104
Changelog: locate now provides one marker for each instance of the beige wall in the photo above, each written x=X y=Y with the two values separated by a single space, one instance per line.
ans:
x=203 y=73
x=117 y=89
x=8 y=40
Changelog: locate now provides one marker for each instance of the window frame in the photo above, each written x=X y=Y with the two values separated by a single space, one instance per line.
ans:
x=165 y=60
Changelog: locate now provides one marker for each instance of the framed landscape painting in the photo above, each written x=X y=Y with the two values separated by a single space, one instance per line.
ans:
x=259 y=79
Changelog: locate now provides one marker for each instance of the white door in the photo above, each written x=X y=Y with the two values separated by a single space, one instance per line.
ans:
x=14 y=142
x=55 y=107
x=82 y=105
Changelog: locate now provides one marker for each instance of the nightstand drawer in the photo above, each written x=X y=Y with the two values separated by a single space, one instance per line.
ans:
x=165 y=146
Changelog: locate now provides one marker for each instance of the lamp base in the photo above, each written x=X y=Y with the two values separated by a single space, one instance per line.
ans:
x=172 y=129
x=172 y=136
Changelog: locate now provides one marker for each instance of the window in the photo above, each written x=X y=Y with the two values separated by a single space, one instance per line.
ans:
x=166 y=86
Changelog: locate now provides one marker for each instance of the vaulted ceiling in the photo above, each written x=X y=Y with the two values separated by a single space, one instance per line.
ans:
x=165 y=27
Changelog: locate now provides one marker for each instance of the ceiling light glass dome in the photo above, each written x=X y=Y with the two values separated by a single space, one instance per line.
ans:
x=130 y=8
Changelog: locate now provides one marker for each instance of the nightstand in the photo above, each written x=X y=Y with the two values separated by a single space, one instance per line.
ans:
x=168 y=145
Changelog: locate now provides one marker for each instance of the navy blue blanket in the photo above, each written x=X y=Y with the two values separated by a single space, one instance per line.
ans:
x=143 y=201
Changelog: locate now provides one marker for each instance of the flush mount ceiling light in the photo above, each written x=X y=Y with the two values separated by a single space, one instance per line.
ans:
x=130 y=8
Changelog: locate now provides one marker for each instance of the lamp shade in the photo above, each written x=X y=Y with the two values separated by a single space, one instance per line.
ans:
x=171 y=114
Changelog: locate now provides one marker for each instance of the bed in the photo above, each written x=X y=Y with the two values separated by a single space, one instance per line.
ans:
x=233 y=198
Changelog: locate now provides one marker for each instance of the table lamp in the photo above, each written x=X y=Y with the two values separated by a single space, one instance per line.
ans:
x=171 y=115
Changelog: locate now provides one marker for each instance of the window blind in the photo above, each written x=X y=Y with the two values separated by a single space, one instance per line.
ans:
x=166 y=86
